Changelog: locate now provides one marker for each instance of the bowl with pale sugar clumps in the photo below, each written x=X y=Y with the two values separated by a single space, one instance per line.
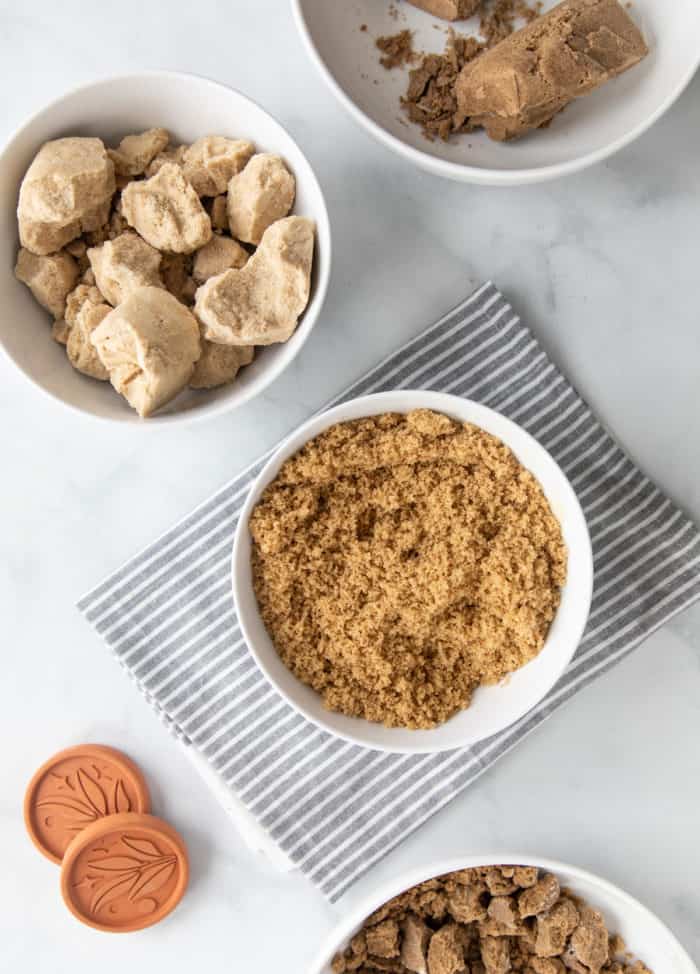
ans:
x=166 y=250
x=412 y=571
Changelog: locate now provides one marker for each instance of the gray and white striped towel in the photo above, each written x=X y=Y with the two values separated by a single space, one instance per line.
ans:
x=334 y=808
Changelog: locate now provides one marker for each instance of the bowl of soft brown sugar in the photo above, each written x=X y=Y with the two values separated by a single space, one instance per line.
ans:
x=412 y=571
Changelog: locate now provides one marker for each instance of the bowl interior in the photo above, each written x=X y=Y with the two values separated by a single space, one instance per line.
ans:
x=188 y=107
x=646 y=936
x=591 y=127
x=492 y=708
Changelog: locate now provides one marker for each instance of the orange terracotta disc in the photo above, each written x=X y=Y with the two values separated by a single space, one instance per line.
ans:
x=124 y=872
x=76 y=788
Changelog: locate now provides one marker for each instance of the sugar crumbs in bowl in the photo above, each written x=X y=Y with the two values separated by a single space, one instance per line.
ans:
x=488 y=920
x=402 y=561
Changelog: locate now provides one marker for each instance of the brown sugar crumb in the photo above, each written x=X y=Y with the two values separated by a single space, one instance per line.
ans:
x=363 y=28
x=408 y=936
x=397 y=49
x=383 y=940
x=446 y=950
x=430 y=99
x=498 y=19
x=539 y=897
x=448 y=9
x=402 y=561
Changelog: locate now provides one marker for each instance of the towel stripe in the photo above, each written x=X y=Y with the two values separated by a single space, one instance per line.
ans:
x=335 y=808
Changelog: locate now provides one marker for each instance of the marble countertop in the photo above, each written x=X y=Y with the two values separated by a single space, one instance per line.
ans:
x=603 y=266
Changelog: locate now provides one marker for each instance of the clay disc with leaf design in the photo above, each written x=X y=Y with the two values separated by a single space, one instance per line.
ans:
x=124 y=872
x=76 y=788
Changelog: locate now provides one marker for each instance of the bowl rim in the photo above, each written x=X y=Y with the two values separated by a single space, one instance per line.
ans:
x=581 y=600
x=361 y=909
x=480 y=175
x=323 y=261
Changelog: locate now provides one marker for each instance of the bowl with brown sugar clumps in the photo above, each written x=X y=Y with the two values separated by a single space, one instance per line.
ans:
x=492 y=913
x=503 y=92
x=412 y=571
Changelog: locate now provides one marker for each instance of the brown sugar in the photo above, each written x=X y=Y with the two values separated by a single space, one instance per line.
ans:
x=402 y=561
x=430 y=99
x=441 y=941
x=522 y=69
x=397 y=49
x=448 y=9
x=526 y=79
x=499 y=20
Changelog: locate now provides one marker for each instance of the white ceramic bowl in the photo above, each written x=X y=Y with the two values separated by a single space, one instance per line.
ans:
x=588 y=131
x=645 y=935
x=188 y=107
x=492 y=708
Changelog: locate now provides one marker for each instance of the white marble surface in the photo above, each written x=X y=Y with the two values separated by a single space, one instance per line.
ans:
x=604 y=266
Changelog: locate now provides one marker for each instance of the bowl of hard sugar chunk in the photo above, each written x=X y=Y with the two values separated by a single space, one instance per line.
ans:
x=503 y=93
x=166 y=249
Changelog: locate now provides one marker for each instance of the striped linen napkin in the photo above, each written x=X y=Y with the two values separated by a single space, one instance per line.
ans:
x=335 y=808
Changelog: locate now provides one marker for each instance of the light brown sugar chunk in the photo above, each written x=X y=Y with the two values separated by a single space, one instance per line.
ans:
x=219 y=212
x=167 y=212
x=124 y=264
x=211 y=162
x=173 y=153
x=85 y=309
x=60 y=330
x=217 y=256
x=258 y=196
x=135 y=152
x=219 y=364
x=80 y=350
x=66 y=190
x=149 y=344
x=261 y=303
x=50 y=278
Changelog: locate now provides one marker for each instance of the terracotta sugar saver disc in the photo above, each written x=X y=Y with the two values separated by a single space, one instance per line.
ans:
x=124 y=873
x=76 y=788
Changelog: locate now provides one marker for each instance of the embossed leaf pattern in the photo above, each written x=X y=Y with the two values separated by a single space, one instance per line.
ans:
x=92 y=792
x=80 y=810
x=122 y=802
x=115 y=864
x=134 y=876
x=82 y=797
x=153 y=877
x=108 y=894
x=144 y=846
